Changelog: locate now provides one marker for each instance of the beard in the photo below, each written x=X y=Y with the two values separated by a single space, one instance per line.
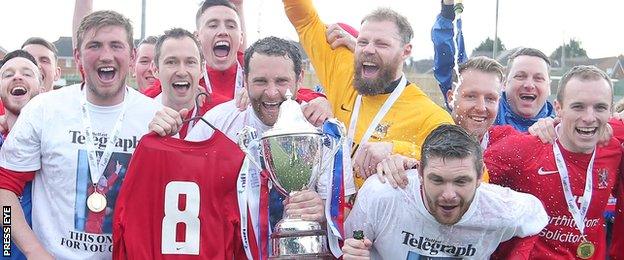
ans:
x=12 y=106
x=105 y=94
x=378 y=85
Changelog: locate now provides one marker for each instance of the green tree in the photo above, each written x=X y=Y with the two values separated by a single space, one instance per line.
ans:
x=573 y=49
x=487 y=45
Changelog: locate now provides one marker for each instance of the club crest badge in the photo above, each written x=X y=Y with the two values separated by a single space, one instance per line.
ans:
x=603 y=178
x=381 y=130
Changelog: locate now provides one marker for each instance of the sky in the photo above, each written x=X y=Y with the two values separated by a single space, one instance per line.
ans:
x=542 y=24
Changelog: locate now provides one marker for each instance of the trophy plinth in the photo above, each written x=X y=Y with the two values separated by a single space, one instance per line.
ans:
x=299 y=239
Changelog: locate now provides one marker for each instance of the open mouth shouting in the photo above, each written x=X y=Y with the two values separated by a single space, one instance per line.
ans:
x=448 y=209
x=528 y=97
x=107 y=73
x=271 y=106
x=181 y=87
x=221 y=49
x=586 y=131
x=369 y=69
x=18 y=90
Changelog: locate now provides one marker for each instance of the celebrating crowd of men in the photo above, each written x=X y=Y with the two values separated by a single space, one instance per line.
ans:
x=99 y=170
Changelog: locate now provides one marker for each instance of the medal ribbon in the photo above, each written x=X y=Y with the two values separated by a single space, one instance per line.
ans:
x=248 y=187
x=485 y=140
x=577 y=214
x=334 y=205
x=97 y=167
x=380 y=114
x=243 y=192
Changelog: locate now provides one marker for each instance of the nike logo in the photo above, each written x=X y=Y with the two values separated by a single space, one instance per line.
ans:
x=343 y=108
x=541 y=171
x=179 y=248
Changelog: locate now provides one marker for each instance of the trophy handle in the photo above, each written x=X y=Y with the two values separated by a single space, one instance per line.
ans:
x=334 y=147
x=248 y=140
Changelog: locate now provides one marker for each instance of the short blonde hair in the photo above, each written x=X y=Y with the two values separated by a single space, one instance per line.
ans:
x=101 y=19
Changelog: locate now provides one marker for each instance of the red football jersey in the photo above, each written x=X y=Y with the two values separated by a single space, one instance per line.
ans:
x=179 y=201
x=617 y=241
x=523 y=163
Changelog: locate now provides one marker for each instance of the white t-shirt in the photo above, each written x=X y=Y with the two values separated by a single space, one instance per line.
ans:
x=49 y=136
x=227 y=118
x=400 y=227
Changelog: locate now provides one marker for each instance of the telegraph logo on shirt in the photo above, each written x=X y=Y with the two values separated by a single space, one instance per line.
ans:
x=100 y=140
x=434 y=247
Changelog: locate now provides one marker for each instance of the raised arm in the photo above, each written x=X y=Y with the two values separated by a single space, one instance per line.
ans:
x=82 y=8
x=442 y=35
x=241 y=14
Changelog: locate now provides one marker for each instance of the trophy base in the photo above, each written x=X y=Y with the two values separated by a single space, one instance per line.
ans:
x=299 y=239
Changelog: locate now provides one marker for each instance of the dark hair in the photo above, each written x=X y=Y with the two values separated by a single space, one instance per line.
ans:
x=527 y=52
x=42 y=42
x=386 y=14
x=100 y=19
x=17 y=54
x=273 y=46
x=148 y=40
x=451 y=141
x=210 y=3
x=176 y=33
x=583 y=73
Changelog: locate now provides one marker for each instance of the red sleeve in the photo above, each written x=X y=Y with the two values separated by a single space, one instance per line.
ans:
x=517 y=248
x=496 y=159
x=14 y=181
x=498 y=132
x=617 y=241
x=307 y=95
x=618 y=129
x=153 y=90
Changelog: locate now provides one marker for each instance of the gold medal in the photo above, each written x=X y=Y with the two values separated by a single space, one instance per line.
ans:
x=585 y=250
x=96 y=202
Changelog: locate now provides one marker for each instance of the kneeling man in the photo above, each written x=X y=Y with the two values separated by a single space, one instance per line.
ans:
x=445 y=210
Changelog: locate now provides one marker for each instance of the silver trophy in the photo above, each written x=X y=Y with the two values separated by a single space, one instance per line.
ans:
x=293 y=151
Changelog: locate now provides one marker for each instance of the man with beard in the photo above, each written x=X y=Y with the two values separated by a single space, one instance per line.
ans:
x=20 y=80
x=445 y=211
x=386 y=114
x=67 y=139
x=572 y=176
x=272 y=67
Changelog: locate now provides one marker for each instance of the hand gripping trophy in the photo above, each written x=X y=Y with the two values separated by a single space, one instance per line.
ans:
x=293 y=151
